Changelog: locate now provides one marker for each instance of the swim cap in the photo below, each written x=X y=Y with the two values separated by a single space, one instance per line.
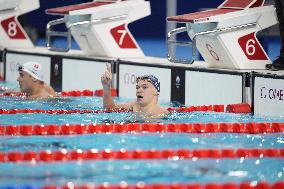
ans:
x=32 y=68
x=152 y=79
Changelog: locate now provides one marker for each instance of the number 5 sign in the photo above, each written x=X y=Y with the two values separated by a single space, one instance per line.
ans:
x=12 y=29
x=252 y=48
x=122 y=37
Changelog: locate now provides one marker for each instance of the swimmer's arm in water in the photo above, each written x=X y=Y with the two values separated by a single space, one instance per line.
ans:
x=107 y=98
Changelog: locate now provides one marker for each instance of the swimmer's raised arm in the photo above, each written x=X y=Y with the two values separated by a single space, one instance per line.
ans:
x=107 y=98
x=106 y=83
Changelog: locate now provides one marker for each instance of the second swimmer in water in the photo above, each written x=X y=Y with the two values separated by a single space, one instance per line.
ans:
x=31 y=81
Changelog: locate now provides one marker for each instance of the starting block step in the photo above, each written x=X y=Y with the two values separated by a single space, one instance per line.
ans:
x=100 y=27
x=66 y=9
x=243 y=4
x=12 y=33
x=8 y=5
x=198 y=16
x=226 y=36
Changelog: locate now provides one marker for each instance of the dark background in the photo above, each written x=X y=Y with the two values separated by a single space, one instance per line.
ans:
x=153 y=26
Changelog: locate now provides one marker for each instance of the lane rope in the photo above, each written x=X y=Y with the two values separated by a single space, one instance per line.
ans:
x=142 y=185
x=211 y=108
x=123 y=154
x=81 y=129
x=232 y=108
x=73 y=93
x=56 y=111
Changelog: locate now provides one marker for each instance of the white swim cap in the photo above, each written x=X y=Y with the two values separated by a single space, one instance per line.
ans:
x=34 y=69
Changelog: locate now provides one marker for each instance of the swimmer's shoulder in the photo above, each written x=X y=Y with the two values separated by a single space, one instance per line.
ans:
x=48 y=89
x=163 y=111
x=130 y=106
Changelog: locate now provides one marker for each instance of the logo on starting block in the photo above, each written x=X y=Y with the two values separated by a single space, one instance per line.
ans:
x=252 y=48
x=12 y=28
x=122 y=37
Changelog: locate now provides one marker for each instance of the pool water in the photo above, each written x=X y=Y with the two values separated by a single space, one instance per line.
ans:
x=133 y=171
x=95 y=103
x=132 y=141
x=172 y=170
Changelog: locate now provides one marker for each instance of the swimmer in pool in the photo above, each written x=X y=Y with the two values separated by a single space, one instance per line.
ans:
x=146 y=104
x=31 y=81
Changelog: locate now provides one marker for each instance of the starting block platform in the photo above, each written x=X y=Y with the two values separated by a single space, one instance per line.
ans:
x=184 y=84
x=100 y=27
x=12 y=33
x=226 y=36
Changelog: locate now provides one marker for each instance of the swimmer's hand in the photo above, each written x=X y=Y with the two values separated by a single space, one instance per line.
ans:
x=107 y=76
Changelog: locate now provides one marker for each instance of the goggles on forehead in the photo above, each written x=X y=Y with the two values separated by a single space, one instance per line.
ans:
x=32 y=68
x=20 y=68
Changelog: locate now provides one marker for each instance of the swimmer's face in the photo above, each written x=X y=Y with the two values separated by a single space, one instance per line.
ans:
x=25 y=81
x=145 y=92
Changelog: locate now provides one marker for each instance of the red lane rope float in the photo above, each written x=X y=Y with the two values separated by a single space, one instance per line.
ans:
x=142 y=185
x=100 y=92
x=238 y=108
x=80 y=129
x=214 y=108
x=74 y=93
x=232 y=108
x=123 y=154
x=56 y=111
x=3 y=88
x=12 y=94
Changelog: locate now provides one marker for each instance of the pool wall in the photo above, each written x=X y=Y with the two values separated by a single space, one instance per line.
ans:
x=186 y=84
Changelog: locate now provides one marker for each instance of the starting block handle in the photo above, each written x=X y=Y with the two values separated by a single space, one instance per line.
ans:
x=51 y=33
x=223 y=30
x=172 y=43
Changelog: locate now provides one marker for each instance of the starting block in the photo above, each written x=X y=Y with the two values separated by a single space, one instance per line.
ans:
x=226 y=36
x=12 y=33
x=100 y=27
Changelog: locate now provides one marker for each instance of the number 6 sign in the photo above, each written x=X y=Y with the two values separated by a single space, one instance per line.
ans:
x=212 y=52
x=251 y=47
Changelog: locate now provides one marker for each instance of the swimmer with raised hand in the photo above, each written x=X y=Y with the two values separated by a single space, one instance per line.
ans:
x=147 y=93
